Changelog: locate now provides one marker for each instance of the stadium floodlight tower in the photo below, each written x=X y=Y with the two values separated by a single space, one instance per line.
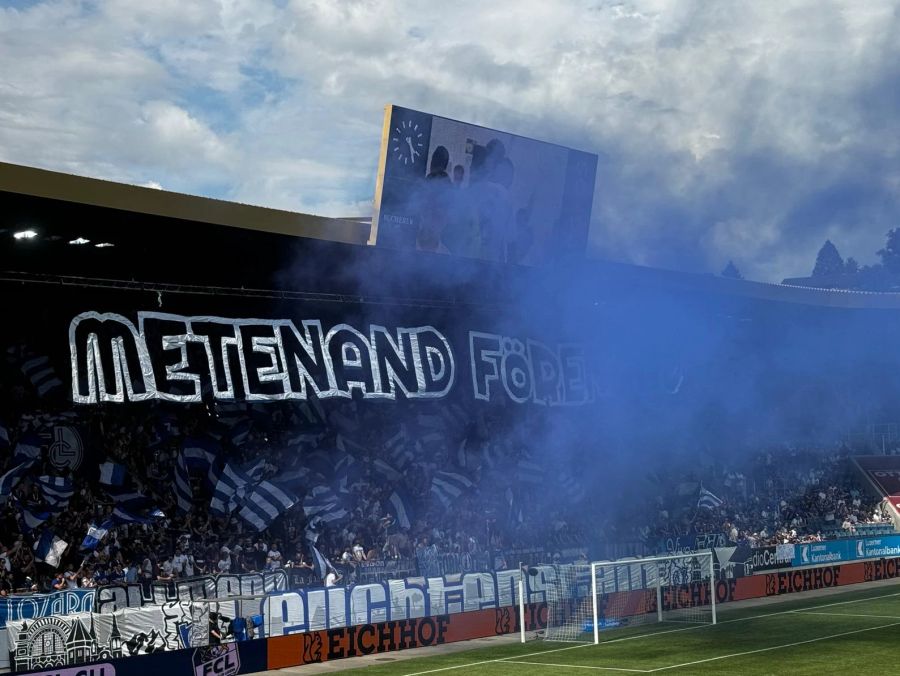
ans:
x=584 y=599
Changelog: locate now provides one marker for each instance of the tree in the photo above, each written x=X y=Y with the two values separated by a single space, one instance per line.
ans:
x=851 y=267
x=890 y=254
x=732 y=271
x=828 y=261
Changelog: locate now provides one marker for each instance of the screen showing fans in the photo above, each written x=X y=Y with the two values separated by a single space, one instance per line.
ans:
x=455 y=188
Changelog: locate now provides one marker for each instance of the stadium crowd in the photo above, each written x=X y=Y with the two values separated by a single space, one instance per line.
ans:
x=366 y=488
x=429 y=483
x=776 y=496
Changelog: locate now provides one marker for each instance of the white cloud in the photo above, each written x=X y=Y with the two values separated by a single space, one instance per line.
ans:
x=726 y=130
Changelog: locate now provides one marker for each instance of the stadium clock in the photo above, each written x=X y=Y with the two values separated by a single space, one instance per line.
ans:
x=407 y=142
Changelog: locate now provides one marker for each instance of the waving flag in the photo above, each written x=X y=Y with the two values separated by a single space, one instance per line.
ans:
x=56 y=490
x=122 y=515
x=397 y=449
x=346 y=473
x=96 y=533
x=321 y=564
x=571 y=487
x=430 y=443
x=13 y=476
x=239 y=432
x=529 y=473
x=30 y=518
x=266 y=503
x=128 y=498
x=28 y=448
x=448 y=486
x=41 y=374
x=323 y=504
x=49 y=548
x=319 y=499
x=230 y=486
x=708 y=499
x=112 y=474
x=202 y=454
x=399 y=504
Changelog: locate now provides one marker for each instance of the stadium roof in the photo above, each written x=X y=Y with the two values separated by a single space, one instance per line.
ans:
x=150 y=202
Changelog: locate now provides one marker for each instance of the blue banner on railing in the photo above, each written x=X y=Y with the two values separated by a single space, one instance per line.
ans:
x=43 y=605
x=841 y=551
x=877 y=548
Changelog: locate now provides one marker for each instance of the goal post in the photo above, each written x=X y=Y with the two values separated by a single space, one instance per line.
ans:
x=584 y=600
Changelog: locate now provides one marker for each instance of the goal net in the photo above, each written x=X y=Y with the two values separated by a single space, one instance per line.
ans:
x=584 y=600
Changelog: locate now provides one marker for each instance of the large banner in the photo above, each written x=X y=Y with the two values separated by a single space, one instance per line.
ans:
x=46 y=643
x=57 y=641
x=179 y=358
x=66 y=602
x=136 y=595
x=450 y=187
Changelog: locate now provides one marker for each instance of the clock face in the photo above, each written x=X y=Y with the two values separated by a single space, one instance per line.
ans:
x=407 y=142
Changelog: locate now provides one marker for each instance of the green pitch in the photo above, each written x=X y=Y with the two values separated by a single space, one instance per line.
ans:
x=841 y=634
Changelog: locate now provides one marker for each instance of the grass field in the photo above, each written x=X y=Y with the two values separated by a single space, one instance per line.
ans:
x=841 y=634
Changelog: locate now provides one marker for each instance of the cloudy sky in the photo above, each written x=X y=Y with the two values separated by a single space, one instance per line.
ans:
x=747 y=130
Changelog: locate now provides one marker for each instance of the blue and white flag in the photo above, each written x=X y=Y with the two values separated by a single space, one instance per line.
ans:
x=112 y=474
x=399 y=504
x=184 y=494
x=49 y=548
x=430 y=443
x=255 y=469
x=232 y=483
x=239 y=433
x=572 y=488
x=96 y=533
x=41 y=374
x=122 y=515
x=12 y=477
x=202 y=454
x=128 y=498
x=28 y=448
x=529 y=473
x=346 y=473
x=448 y=486
x=324 y=503
x=266 y=503
x=56 y=490
x=320 y=499
x=321 y=564
x=708 y=499
x=29 y=518
x=397 y=450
